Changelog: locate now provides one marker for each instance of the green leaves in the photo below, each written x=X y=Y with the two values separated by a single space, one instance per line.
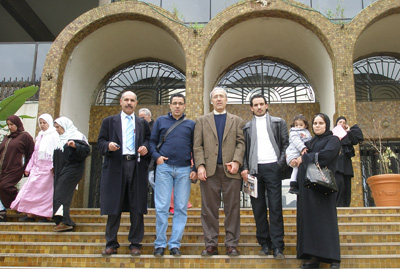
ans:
x=11 y=104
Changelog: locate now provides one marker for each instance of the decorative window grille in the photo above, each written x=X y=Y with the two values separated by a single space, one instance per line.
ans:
x=152 y=82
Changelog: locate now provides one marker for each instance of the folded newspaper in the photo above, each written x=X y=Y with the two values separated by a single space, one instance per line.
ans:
x=251 y=186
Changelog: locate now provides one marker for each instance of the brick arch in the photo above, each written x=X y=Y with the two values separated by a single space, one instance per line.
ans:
x=240 y=12
x=315 y=28
x=371 y=25
x=86 y=26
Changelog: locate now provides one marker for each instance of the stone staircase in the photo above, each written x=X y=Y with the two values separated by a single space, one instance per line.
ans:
x=370 y=238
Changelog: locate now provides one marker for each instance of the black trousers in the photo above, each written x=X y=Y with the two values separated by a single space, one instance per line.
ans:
x=136 y=231
x=343 y=195
x=269 y=183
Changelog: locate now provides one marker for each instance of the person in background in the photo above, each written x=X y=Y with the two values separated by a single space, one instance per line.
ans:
x=298 y=135
x=69 y=164
x=345 y=166
x=266 y=142
x=317 y=224
x=218 y=154
x=36 y=196
x=124 y=142
x=15 y=152
x=145 y=114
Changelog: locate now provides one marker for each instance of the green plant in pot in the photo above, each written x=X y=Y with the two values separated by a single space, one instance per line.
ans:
x=385 y=187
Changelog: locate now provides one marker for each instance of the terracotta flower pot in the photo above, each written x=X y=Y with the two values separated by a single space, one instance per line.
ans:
x=385 y=189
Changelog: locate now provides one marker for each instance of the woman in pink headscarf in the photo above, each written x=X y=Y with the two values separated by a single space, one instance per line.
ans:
x=15 y=152
x=36 y=196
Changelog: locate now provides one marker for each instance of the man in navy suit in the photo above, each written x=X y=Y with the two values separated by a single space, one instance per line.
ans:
x=124 y=142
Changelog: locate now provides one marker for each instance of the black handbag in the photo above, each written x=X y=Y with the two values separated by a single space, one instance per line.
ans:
x=320 y=179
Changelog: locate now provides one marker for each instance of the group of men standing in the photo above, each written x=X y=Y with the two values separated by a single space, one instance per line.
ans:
x=218 y=149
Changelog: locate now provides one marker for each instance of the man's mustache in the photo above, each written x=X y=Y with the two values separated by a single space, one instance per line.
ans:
x=128 y=106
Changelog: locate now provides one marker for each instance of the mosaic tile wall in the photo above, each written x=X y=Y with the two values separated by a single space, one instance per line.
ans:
x=339 y=41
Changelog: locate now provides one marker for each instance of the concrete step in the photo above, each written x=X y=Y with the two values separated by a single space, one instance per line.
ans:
x=186 y=248
x=185 y=261
x=94 y=237
x=193 y=227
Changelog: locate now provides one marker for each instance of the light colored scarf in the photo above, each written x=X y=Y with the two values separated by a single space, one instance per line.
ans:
x=70 y=132
x=49 y=139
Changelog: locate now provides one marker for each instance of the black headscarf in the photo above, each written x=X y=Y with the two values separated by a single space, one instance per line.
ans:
x=340 y=118
x=310 y=144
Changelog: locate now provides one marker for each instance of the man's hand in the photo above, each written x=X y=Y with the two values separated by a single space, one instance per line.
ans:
x=112 y=146
x=193 y=175
x=161 y=159
x=244 y=174
x=201 y=173
x=26 y=173
x=233 y=167
x=142 y=150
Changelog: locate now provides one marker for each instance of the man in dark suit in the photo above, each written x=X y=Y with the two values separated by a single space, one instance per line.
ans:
x=124 y=140
x=218 y=154
x=266 y=142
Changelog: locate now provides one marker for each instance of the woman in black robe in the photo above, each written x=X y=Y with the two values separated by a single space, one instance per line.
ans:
x=345 y=166
x=15 y=152
x=317 y=226
x=69 y=163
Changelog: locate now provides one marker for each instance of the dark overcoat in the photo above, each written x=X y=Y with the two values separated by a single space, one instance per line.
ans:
x=111 y=177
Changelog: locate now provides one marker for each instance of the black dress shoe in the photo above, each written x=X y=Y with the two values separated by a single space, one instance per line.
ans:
x=232 y=251
x=159 y=252
x=265 y=250
x=109 y=251
x=310 y=265
x=278 y=254
x=209 y=251
x=175 y=252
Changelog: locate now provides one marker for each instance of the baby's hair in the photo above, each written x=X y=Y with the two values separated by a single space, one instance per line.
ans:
x=300 y=117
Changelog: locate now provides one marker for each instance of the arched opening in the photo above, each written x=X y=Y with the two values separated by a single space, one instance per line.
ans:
x=153 y=83
x=377 y=79
x=279 y=83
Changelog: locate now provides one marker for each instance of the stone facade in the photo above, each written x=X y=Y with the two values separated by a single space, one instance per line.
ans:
x=339 y=41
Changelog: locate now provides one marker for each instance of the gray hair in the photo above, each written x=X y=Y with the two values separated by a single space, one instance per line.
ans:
x=146 y=111
x=218 y=89
x=122 y=95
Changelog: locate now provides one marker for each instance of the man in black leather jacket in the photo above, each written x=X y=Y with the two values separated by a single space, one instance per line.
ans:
x=266 y=140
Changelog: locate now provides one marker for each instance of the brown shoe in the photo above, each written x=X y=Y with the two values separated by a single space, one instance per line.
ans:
x=209 y=251
x=109 y=251
x=135 y=252
x=232 y=251
x=62 y=227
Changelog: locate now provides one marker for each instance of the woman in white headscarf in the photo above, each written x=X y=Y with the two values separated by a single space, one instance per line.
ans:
x=69 y=164
x=36 y=196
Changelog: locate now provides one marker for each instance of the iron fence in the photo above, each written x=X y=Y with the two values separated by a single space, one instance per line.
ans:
x=7 y=88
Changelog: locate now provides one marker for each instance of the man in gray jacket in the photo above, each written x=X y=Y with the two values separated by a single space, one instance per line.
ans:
x=266 y=140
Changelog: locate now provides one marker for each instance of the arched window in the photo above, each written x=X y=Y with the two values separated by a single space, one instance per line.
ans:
x=377 y=79
x=152 y=82
x=277 y=82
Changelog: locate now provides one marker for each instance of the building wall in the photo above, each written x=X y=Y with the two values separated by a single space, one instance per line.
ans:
x=110 y=36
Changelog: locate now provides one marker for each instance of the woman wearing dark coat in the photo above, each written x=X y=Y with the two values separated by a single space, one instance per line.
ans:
x=317 y=226
x=69 y=163
x=345 y=166
x=15 y=153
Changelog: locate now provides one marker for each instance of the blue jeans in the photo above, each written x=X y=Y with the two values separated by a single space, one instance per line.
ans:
x=168 y=177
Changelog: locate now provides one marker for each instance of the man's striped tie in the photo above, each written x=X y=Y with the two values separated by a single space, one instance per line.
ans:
x=130 y=134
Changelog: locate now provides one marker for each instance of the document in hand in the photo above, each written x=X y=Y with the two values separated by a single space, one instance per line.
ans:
x=251 y=186
x=339 y=132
